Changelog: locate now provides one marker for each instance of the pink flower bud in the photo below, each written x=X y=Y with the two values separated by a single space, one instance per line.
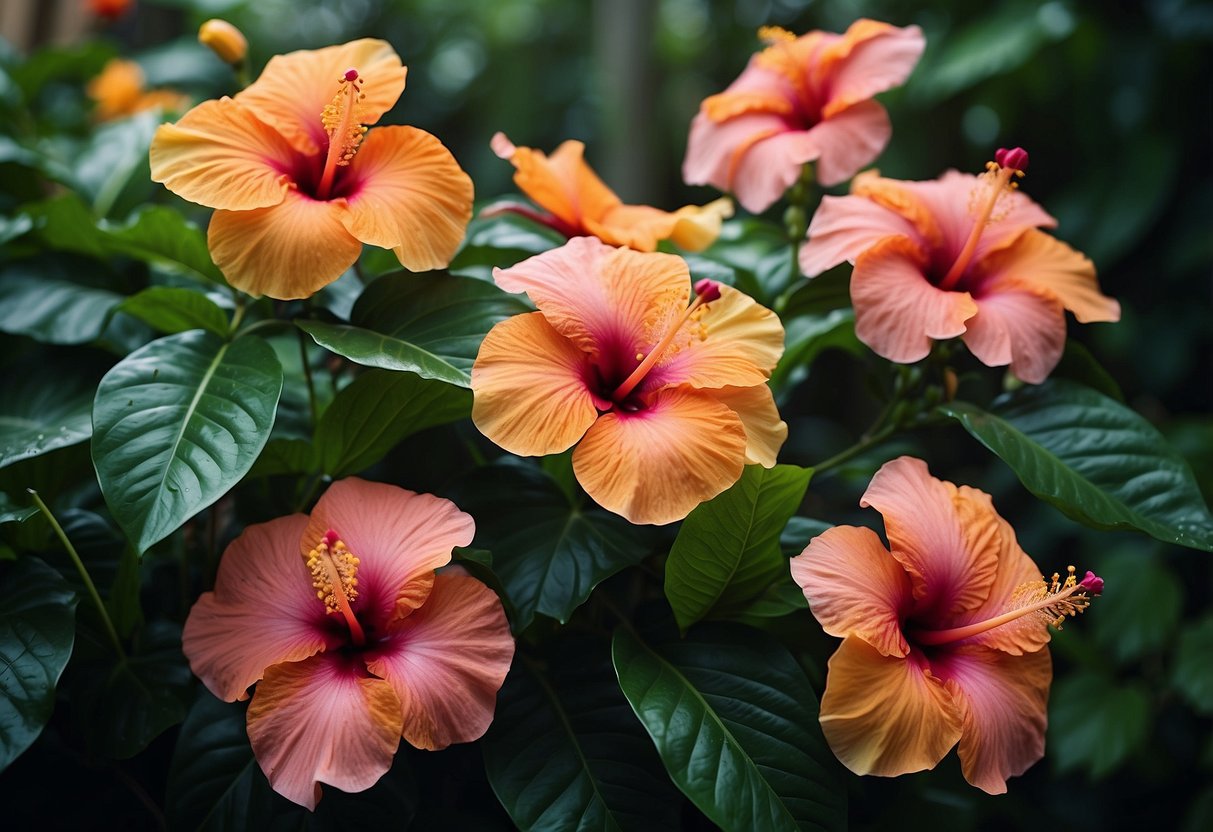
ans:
x=1092 y=583
x=1016 y=158
x=708 y=290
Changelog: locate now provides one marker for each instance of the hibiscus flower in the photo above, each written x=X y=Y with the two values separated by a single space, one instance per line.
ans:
x=802 y=99
x=299 y=184
x=351 y=637
x=665 y=401
x=957 y=256
x=944 y=632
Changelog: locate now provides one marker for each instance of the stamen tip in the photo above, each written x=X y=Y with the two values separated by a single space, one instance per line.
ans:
x=1092 y=583
x=330 y=538
x=707 y=290
x=1016 y=158
x=351 y=75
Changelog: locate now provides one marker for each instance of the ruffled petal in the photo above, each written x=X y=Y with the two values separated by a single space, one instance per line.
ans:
x=765 y=432
x=1004 y=700
x=952 y=567
x=886 y=715
x=400 y=538
x=1047 y=265
x=263 y=611
x=697 y=227
x=530 y=386
x=323 y=720
x=843 y=227
x=447 y=661
x=410 y=195
x=848 y=140
x=898 y=313
x=655 y=465
x=871 y=57
x=219 y=155
x=294 y=89
x=735 y=342
x=1017 y=326
x=561 y=183
x=855 y=587
x=639 y=227
x=715 y=152
x=287 y=251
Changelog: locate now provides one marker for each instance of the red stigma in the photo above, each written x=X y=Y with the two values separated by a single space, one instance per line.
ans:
x=708 y=290
x=331 y=537
x=1015 y=158
x=1092 y=583
x=351 y=75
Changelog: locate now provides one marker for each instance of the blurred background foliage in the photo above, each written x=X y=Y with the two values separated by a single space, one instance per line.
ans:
x=1113 y=100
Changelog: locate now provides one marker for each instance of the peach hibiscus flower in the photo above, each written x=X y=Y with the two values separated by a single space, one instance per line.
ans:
x=299 y=184
x=960 y=255
x=351 y=637
x=120 y=90
x=666 y=402
x=802 y=99
x=580 y=204
x=944 y=632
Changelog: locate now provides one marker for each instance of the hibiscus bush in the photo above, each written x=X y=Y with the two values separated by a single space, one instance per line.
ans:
x=673 y=415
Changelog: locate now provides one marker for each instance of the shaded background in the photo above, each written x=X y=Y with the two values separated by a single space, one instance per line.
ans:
x=1114 y=102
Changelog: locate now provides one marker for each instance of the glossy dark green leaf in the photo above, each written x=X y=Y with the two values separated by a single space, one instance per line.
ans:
x=806 y=337
x=376 y=411
x=179 y=422
x=114 y=153
x=1096 y=723
x=286 y=456
x=430 y=324
x=37 y=630
x=500 y=242
x=1078 y=364
x=734 y=719
x=727 y=551
x=44 y=406
x=12 y=512
x=171 y=310
x=52 y=311
x=1192 y=673
x=1140 y=608
x=798 y=532
x=549 y=553
x=1096 y=460
x=565 y=751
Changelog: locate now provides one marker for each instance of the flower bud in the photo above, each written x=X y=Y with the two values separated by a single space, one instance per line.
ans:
x=708 y=290
x=1092 y=583
x=224 y=39
x=1016 y=158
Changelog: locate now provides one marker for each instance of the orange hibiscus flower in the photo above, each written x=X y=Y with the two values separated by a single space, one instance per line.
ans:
x=944 y=632
x=959 y=256
x=802 y=99
x=580 y=204
x=351 y=637
x=120 y=90
x=666 y=401
x=299 y=184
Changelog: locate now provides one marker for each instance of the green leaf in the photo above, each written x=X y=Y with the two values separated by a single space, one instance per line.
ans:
x=805 y=338
x=1094 y=459
x=798 y=532
x=429 y=324
x=177 y=423
x=1192 y=673
x=11 y=512
x=376 y=411
x=565 y=752
x=727 y=551
x=37 y=631
x=53 y=311
x=1078 y=364
x=1096 y=723
x=734 y=719
x=1139 y=611
x=548 y=553
x=115 y=151
x=286 y=456
x=44 y=406
x=501 y=241
x=170 y=310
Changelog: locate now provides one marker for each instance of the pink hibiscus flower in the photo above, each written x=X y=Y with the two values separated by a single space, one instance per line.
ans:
x=351 y=637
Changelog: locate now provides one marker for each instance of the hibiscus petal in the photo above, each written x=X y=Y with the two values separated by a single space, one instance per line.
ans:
x=655 y=465
x=263 y=611
x=287 y=251
x=219 y=155
x=897 y=311
x=734 y=342
x=848 y=140
x=1017 y=326
x=400 y=538
x=715 y=151
x=1048 y=265
x=765 y=431
x=697 y=226
x=530 y=386
x=410 y=195
x=844 y=227
x=886 y=715
x=952 y=568
x=855 y=587
x=323 y=720
x=294 y=88
x=639 y=227
x=1004 y=701
x=561 y=183
x=447 y=661
x=871 y=57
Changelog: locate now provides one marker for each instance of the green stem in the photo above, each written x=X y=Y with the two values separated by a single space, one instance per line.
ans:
x=856 y=449
x=307 y=375
x=238 y=315
x=269 y=323
x=88 y=581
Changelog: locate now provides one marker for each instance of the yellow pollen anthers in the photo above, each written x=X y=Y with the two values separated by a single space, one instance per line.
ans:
x=995 y=182
x=343 y=126
x=771 y=35
x=706 y=291
x=334 y=571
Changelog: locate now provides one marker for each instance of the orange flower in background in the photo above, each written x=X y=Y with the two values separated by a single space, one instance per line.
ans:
x=802 y=99
x=299 y=184
x=958 y=256
x=666 y=401
x=944 y=632
x=580 y=204
x=351 y=637
x=119 y=91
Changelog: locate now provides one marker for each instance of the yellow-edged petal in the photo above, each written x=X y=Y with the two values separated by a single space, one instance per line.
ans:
x=765 y=431
x=561 y=183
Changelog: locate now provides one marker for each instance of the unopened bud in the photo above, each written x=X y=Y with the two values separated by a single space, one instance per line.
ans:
x=1092 y=583
x=224 y=39
x=708 y=290
x=1015 y=158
